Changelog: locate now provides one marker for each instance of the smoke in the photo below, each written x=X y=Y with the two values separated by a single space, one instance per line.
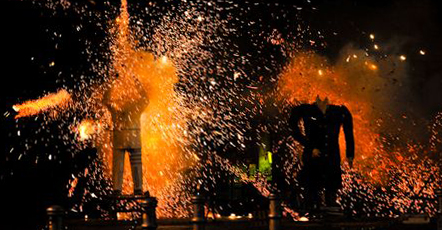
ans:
x=382 y=79
x=391 y=132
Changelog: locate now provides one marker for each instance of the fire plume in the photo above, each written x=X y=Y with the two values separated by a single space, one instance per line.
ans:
x=407 y=169
x=162 y=155
x=51 y=101
x=309 y=75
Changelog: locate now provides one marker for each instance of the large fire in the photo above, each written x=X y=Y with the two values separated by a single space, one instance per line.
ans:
x=309 y=75
x=163 y=159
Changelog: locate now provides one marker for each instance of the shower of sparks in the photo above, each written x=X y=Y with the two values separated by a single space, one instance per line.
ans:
x=206 y=93
x=405 y=177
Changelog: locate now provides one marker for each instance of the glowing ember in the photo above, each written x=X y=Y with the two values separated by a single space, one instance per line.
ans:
x=86 y=129
x=303 y=219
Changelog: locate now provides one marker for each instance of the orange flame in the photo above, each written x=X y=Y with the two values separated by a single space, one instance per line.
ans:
x=301 y=83
x=162 y=156
x=51 y=101
x=86 y=129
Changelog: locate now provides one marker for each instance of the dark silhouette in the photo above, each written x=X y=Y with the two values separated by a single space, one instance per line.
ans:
x=321 y=157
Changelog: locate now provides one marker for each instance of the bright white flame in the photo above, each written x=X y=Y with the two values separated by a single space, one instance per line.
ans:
x=86 y=129
x=303 y=219
x=164 y=59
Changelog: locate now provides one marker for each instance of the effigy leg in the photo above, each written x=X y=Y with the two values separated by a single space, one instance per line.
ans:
x=137 y=170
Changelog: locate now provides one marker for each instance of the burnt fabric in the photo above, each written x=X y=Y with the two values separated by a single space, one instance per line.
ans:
x=321 y=131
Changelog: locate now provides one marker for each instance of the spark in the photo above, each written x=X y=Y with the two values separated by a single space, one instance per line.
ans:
x=303 y=219
x=164 y=60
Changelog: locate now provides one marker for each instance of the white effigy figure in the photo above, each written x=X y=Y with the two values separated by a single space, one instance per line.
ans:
x=126 y=131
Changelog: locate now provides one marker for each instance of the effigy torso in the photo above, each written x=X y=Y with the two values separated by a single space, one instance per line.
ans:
x=127 y=106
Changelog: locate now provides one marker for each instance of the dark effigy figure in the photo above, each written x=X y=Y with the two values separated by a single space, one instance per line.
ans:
x=321 y=157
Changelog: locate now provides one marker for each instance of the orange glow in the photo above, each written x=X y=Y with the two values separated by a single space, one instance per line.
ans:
x=86 y=129
x=51 y=101
x=300 y=83
x=162 y=156
x=73 y=184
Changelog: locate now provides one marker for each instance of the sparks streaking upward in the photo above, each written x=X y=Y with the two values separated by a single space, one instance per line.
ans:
x=51 y=101
x=161 y=126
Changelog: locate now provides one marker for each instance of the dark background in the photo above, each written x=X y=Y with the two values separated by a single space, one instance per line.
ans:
x=29 y=45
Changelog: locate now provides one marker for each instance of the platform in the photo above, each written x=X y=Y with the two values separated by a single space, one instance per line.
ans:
x=287 y=224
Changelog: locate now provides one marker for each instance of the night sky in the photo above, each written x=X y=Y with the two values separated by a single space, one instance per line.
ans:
x=29 y=45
